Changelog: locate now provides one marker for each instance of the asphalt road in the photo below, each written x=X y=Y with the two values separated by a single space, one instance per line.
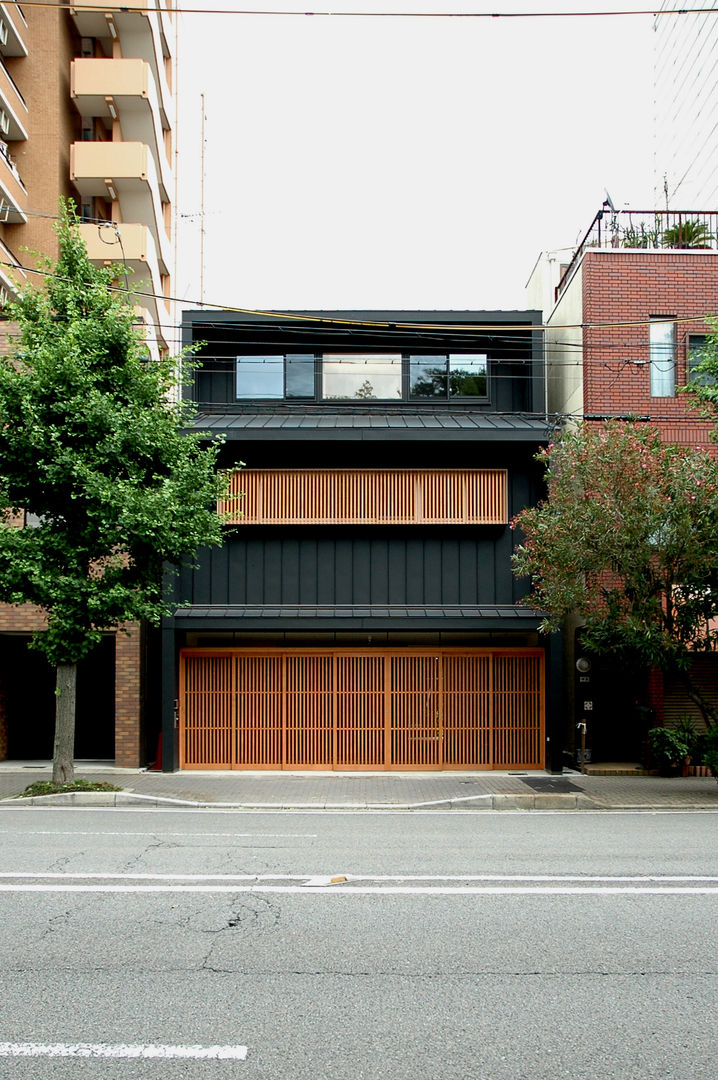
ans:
x=460 y=946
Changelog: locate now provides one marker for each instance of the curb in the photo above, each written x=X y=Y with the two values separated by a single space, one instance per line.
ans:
x=107 y=799
x=472 y=803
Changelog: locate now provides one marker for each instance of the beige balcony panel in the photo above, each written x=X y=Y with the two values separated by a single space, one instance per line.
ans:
x=128 y=170
x=141 y=33
x=13 y=196
x=12 y=278
x=156 y=333
x=130 y=243
x=13 y=32
x=14 y=107
x=125 y=90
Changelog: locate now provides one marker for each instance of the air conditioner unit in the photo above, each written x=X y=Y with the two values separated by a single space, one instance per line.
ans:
x=4 y=122
x=3 y=32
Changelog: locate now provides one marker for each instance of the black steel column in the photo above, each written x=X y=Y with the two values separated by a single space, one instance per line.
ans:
x=170 y=734
x=555 y=703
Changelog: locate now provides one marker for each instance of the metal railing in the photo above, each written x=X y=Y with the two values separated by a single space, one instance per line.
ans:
x=656 y=230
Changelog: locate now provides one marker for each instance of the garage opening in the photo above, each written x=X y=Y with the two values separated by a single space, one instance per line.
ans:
x=372 y=709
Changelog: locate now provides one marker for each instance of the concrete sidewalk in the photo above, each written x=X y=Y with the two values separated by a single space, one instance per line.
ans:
x=373 y=791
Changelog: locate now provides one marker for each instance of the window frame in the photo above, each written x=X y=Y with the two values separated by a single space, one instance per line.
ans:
x=406 y=359
x=692 y=378
x=662 y=368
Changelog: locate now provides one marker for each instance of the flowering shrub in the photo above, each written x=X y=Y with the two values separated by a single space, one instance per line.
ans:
x=628 y=539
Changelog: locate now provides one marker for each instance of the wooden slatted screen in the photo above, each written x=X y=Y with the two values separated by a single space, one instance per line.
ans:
x=371 y=709
x=367 y=496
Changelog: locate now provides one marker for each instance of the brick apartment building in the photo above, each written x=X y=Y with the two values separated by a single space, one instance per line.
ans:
x=626 y=318
x=85 y=107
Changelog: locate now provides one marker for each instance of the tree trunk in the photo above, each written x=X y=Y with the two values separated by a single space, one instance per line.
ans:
x=63 y=765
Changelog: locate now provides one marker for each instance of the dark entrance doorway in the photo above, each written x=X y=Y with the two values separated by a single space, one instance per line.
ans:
x=28 y=683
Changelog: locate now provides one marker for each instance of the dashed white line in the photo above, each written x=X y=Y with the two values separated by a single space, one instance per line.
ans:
x=122 y=1050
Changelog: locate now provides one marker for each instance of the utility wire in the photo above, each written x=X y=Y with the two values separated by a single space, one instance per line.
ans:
x=152 y=9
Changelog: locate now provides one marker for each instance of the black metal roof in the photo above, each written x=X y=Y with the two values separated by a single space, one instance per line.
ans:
x=361 y=616
x=471 y=426
x=371 y=329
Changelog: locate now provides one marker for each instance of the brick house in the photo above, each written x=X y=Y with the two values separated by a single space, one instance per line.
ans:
x=626 y=317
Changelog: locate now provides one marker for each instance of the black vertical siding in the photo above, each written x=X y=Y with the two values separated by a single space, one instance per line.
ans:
x=333 y=566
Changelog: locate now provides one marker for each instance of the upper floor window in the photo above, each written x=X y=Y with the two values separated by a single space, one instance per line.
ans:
x=662 y=355
x=452 y=375
x=361 y=376
x=276 y=376
x=697 y=347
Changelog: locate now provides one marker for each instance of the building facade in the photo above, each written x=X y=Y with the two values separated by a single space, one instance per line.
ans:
x=86 y=112
x=362 y=612
x=624 y=329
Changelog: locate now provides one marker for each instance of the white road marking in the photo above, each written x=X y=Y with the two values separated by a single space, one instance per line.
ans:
x=272 y=810
x=184 y=835
x=328 y=879
x=377 y=890
x=121 y=1050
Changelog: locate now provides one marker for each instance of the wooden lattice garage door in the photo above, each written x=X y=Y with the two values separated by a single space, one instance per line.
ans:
x=342 y=709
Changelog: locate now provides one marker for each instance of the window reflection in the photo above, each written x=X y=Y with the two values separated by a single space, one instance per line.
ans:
x=361 y=376
x=455 y=375
x=260 y=377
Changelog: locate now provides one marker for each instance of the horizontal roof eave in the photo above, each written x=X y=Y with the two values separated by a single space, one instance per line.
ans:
x=335 y=426
x=449 y=317
x=359 y=616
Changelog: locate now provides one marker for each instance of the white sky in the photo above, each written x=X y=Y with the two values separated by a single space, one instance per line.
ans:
x=401 y=162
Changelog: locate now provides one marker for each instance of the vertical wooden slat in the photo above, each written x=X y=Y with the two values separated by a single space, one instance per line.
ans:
x=450 y=708
x=368 y=496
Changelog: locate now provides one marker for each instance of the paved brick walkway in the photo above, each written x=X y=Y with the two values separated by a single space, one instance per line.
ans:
x=356 y=790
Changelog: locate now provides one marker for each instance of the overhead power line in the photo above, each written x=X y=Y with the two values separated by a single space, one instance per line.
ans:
x=614 y=13
x=399 y=326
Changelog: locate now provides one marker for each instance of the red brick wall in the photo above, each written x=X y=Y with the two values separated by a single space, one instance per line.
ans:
x=628 y=287
x=127 y=696
x=27 y=619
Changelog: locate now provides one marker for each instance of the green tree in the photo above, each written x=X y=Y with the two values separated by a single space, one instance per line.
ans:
x=93 y=454
x=702 y=383
x=627 y=539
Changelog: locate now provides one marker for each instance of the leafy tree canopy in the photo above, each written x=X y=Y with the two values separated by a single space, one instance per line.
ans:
x=627 y=538
x=93 y=455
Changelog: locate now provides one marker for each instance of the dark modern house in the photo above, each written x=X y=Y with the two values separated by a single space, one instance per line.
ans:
x=362 y=613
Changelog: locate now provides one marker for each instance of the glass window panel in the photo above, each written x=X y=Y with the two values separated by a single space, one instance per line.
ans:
x=361 y=376
x=662 y=341
x=698 y=346
x=467 y=375
x=299 y=375
x=260 y=377
x=427 y=376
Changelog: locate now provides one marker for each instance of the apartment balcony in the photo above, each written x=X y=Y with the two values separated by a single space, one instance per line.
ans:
x=133 y=246
x=12 y=277
x=654 y=230
x=124 y=90
x=13 y=110
x=143 y=31
x=13 y=194
x=123 y=171
x=13 y=31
